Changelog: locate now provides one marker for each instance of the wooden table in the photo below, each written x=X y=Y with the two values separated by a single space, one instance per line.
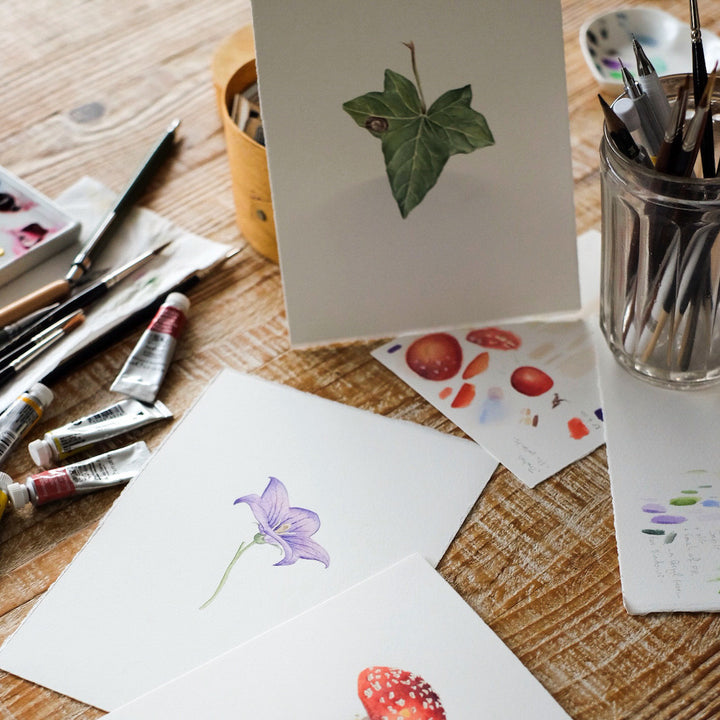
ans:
x=86 y=88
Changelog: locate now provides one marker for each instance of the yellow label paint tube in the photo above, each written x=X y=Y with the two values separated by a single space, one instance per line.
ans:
x=145 y=368
x=5 y=480
x=116 y=419
x=21 y=416
x=112 y=468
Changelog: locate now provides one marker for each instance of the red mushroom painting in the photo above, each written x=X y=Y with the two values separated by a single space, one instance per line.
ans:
x=387 y=692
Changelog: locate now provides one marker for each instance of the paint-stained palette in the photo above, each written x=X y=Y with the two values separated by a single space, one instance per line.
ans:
x=527 y=392
x=32 y=227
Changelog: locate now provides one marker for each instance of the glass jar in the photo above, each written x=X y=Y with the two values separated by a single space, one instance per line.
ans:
x=660 y=276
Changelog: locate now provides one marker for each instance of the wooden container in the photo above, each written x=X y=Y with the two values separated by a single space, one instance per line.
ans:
x=233 y=52
x=249 y=172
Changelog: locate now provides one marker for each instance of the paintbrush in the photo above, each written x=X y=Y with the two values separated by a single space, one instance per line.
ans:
x=61 y=289
x=83 y=299
x=46 y=341
x=700 y=79
x=116 y=333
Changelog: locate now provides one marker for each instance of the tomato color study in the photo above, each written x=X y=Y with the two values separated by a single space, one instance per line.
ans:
x=578 y=429
x=437 y=356
x=465 y=396
x=476 y=366
x=530 y=381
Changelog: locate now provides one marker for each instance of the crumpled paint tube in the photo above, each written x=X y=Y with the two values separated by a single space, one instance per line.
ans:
x=145 y=369
x=120 y=417
x=111 y=468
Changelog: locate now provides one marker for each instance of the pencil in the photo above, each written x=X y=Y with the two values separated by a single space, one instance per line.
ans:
x=650 y=83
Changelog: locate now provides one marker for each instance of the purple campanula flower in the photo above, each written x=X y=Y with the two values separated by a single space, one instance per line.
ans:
x=288 y=527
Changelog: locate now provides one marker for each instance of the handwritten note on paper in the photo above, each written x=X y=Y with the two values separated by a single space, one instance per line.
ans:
x=527 y=392
x=664 y=463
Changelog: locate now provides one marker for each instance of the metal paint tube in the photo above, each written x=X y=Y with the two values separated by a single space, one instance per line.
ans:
x=22 y=414
x=5 y=480
x=112 y=468
x=145 y=368
x=120 y=417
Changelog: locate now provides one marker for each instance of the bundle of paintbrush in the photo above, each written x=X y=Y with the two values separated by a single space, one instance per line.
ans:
x=661 y=219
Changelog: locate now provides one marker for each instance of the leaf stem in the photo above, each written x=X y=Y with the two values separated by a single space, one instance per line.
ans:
x=411 y=46
x=243 y=547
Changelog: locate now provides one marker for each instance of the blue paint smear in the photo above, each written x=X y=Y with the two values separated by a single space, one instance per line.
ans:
x=394 y=348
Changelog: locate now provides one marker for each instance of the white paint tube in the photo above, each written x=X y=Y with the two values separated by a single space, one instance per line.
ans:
x=21 y=415
x=112 y=468
x=120 y=417
x=145 y=368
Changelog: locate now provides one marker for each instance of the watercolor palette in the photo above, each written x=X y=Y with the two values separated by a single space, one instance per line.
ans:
x=32 y=227
x=666 y=40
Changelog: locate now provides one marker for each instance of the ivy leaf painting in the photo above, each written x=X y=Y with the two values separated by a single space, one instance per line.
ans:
x=417 y=141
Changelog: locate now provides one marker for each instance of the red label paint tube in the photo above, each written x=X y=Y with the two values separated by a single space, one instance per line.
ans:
x=145 y=369
x=112 y=468
x=120 y=417
x=21 y=416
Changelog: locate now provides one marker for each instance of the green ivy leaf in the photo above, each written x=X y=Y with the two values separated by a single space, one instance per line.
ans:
x=466 y=129
x=416 y=143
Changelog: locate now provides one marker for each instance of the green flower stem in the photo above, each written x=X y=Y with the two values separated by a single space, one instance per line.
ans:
x=411 y=45
x=243 y=547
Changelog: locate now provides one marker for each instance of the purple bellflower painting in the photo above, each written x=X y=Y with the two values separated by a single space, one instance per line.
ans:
x=288 y=528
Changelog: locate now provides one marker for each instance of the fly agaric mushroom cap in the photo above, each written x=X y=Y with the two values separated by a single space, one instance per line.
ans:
x=389 y=693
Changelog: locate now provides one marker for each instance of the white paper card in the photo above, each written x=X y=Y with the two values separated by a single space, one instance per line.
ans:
x=527 y=392
x=493 y=237
x=126 y=615
x=405 y=621
x=664 y=462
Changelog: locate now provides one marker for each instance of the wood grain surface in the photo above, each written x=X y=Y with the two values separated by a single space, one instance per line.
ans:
x=86 y=88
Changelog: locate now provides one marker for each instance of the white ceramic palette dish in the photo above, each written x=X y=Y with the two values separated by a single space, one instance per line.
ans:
x=665 y=39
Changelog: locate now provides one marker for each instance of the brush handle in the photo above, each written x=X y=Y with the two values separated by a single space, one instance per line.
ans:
x=700 y=79
x=47 y=295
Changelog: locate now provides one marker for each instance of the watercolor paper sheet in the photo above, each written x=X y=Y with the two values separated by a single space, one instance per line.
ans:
x=138 y=607
x=88 y=201
x=527 y=392
x=493 y=237
x=664 y=462
x=429 y=633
